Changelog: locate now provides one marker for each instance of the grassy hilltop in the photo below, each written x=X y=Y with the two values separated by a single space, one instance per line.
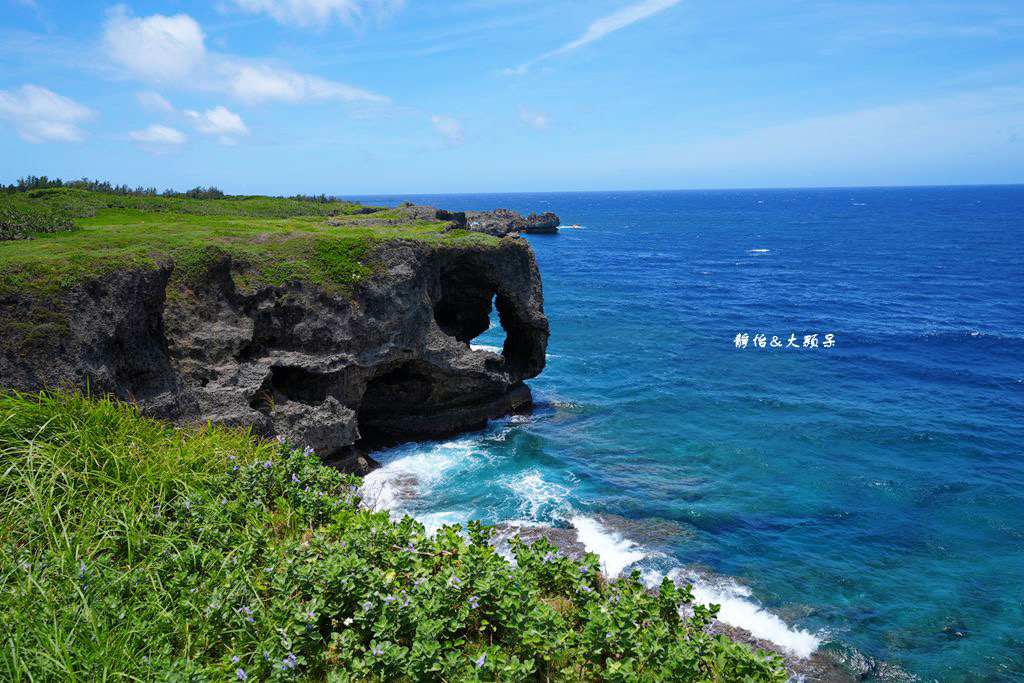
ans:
x=54 y=238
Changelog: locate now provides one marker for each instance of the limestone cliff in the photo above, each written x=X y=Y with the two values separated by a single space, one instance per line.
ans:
x=389 y=361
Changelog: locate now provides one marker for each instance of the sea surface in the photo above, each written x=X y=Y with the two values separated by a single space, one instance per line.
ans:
x=864 y=498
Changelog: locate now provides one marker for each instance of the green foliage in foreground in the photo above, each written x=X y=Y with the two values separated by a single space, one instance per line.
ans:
x=130 y=550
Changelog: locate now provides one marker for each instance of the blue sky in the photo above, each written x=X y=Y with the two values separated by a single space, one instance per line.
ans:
x=408 y=96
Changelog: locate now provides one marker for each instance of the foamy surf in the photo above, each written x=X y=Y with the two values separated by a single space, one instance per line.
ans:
x=616 y=551
x=417 y=472
x=739 y=609
x=485 y=347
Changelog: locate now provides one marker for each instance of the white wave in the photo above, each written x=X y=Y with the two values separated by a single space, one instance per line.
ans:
x=413 y=470
x=536 y=495
x=738 y=609
x=616 y=552
x=758 y=251
x=485 y=347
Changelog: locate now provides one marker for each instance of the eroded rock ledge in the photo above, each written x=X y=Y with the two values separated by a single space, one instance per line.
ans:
x=389 y=363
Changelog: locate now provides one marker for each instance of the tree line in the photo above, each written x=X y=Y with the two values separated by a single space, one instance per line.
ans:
x=33 y=182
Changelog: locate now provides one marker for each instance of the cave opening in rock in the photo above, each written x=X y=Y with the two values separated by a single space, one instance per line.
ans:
x=464 y=311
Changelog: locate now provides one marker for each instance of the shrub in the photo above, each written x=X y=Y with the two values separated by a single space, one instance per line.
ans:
x=131 y=550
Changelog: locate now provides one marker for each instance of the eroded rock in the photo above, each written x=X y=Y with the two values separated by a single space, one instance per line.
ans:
x=389 y=363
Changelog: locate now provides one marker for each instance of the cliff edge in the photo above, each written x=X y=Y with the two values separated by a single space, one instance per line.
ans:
x=381 y=360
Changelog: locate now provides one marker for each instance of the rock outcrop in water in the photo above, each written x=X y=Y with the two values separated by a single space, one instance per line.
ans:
x=389 y=363
x=501 y=222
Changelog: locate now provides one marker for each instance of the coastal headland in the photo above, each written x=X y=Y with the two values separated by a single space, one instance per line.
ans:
x=334 y=327
x=337 y=330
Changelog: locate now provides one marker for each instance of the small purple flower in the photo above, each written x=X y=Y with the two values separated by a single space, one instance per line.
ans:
x=242 y=676
x=234 y=660
x=548 y=558
x=377 y=652
x=416 y=584
x=295 y=478
x=367 y=605
x=307 y=451
x=410 y=548
x=473 y=602
x=244 y=610
x=586 y=589
x=481 y=660
x=268 y=464
x=290 y=662
x=583 y=570
x=389 y=599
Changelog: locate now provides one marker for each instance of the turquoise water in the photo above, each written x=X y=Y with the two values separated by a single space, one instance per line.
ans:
x=864 y=499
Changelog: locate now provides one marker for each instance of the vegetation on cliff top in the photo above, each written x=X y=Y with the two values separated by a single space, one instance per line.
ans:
x=130 y=550
x=270 y=240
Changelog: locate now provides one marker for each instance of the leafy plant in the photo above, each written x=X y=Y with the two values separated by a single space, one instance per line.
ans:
x=132 y=550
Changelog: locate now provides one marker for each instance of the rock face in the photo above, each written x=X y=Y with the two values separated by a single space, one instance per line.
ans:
x=390 y=363
x=501 y=222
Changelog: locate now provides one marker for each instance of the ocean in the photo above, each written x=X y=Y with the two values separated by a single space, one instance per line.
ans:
x=859 y=492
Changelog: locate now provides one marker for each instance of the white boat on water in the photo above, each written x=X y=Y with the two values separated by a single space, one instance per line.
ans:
x=569 y=227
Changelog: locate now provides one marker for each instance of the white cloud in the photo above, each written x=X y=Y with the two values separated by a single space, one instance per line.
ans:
x=172 y=51
x=219 y=121
x=157 y=138
x=600 y=28
x=322 y=12
x=448 y=128
x=41 y=115
x=535 y=119
x=153 y=101
x=253 y=82
x=157 y=48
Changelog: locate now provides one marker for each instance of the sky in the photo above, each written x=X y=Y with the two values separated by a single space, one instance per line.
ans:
x=359 y=97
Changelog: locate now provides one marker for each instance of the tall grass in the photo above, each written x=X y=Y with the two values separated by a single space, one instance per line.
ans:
x=133 y=551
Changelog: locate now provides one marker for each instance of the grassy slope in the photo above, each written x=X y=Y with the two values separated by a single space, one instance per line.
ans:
x=132 y=551
x=272 y=240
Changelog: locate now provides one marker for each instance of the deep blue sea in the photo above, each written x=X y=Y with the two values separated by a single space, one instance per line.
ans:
x=865 y=499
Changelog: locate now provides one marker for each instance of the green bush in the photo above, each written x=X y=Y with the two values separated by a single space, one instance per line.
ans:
x=20 y=219
x=130 y=550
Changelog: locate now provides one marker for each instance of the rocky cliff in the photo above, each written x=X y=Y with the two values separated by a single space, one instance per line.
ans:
x=386 y=362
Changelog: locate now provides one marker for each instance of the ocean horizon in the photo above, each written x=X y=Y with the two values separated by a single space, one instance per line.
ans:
x=805 y=402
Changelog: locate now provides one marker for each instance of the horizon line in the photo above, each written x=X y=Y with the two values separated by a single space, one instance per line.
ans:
x=692 y=189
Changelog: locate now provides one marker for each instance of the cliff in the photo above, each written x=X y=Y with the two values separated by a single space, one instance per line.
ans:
x=383 y=359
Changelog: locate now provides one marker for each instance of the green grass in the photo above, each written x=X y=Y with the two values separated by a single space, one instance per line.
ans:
x=269 y=240
x=133 y=551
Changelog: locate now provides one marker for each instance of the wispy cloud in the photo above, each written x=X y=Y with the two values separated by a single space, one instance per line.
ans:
x=171 y=51
x=600 y=28
x=41 y=115
x=537 y=120
x=449 y=128
x=320 y=13
x=158 y=139
x=967 y=135
x=153 y=101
